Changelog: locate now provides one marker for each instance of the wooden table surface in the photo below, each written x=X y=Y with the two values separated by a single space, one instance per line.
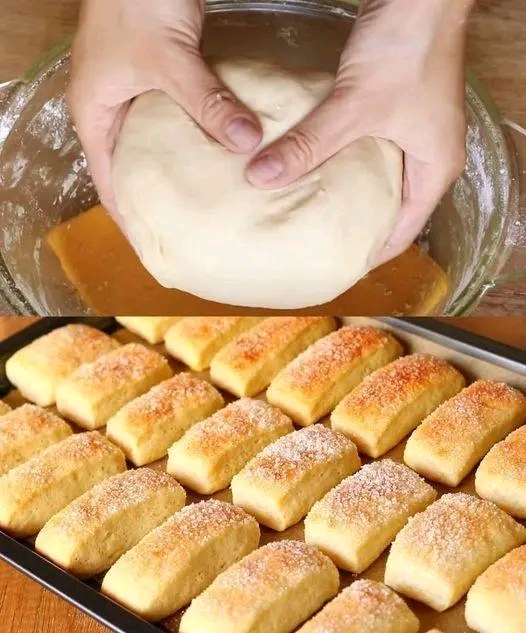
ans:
x=496 y=52
x=26 y=607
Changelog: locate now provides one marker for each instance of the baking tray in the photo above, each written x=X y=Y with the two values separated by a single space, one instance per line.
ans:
x=475 y=356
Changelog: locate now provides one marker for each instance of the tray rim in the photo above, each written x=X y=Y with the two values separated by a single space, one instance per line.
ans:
x=91 y=600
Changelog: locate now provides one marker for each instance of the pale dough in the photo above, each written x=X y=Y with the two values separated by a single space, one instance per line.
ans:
x=199 y=226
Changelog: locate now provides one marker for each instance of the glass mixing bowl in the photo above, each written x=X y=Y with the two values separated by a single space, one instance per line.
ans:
x=477 y=234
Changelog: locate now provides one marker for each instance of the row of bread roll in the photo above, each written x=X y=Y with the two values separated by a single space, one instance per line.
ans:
x=147 y=426
x=32 y=492
x=282 y=482
x=312 y=384
x=40 y=367
x=359 y=518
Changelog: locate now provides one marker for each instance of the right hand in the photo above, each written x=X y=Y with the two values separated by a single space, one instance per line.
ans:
x=124 y=48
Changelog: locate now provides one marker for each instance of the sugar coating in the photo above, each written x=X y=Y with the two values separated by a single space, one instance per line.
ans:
x=111 y=497
x=275 y=566
x=168 y=397
x=36 y=473
x=373 y=495
x=205 y=327
x=293 y=454
x=392 y=385
x=465 y=414
x=366 y=604
x=325 y=359
x=450 y=526
x=131 y=362
x=234 y=423
x=194 y=524
x=263 y=339
x=507 y=575
x=25 y=422
x=68 y=347
x=507 y=459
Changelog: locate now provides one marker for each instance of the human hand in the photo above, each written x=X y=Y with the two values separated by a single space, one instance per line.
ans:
x=401 y=78
x=126 y=47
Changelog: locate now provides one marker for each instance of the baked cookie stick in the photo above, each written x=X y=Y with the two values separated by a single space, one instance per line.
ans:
x=440 y=552
x=37 y=369
x=501 y=476
x=93 y=531
x=196 y=340
x=280 y=484
x=247 y=364
x=457 y=435
x=33 y=492
x=364 y=607
x=214 y=450
x=26 y=431
x=497 y=600
x=147 y=426
x=392 y=401
x=180 y=558
x=272 y=590
x=355 y=522
x=96 y=391
x=313 y=383
x=151 y=329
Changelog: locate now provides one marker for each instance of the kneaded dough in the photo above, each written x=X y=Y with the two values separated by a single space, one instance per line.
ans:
x=199 y=226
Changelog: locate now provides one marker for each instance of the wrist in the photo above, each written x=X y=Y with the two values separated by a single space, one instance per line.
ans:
x=414 y=25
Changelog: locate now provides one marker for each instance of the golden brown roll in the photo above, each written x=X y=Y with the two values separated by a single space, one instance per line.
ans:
x=146 y=427
x=27 y=431
x=439 y=554
x=501 y=476
x=312 y=384
x=356 y=521
x=33 y=492
x=364 y=607
x=247 y=364
x=196 y=340
x=180 y=558
x=151 y=329
x=94 y=392
x=93 y=531
x=207 y=457
x=392 y=401
x=280 y=484
x=38 y=368
x=497 y=601
x=272 y=590
x=457 y=435
x=4 y=408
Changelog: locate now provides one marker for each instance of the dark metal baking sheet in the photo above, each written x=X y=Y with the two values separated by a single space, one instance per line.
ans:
x=85 y=595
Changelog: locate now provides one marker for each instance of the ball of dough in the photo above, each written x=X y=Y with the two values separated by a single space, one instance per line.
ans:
x=199 y=226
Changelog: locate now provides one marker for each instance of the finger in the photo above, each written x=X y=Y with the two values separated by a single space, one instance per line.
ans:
x=98 y=130
x=322 y=133
x=213 y=106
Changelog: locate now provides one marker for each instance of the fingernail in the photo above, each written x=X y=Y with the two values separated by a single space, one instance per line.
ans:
x=244 y=134
x=265 y=169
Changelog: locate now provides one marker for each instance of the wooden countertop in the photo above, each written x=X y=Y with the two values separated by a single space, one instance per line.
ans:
x=496 y=52
x=26 y=607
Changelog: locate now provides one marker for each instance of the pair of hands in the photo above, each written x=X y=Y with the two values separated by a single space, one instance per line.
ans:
x=400 y=78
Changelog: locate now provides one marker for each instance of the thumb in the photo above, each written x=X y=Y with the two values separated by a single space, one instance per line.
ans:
x=322 y=133
x=213 y=106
